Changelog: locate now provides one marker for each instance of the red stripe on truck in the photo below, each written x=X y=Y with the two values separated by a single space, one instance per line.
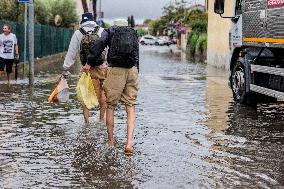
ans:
x=275 y=3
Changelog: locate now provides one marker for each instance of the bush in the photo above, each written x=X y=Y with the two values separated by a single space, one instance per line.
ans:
x=197 y=43
x=202 y=43
x=199 y=26
x=192 y=42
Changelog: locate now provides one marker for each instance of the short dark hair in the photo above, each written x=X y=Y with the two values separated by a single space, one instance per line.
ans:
x=9 y=27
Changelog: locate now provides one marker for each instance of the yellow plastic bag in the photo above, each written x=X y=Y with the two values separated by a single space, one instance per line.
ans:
x=60 y=93
x=86 y=93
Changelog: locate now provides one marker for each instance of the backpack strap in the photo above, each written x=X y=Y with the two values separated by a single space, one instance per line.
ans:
x=94 y=31
x=83 y=31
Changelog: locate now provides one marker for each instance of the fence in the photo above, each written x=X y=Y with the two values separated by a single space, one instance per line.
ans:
x=48 y=40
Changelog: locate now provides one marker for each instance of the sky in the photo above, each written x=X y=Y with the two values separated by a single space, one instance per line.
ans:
x=141 y=9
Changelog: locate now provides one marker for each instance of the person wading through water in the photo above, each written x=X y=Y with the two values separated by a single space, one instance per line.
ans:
x=81 y=41
x=122 y=81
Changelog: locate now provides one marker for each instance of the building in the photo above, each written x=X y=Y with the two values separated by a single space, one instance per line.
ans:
x=218 y=47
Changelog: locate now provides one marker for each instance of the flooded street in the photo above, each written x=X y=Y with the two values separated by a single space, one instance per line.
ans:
x=189 y=134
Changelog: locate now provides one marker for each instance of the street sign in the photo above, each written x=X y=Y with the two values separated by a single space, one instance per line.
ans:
x=23 y=1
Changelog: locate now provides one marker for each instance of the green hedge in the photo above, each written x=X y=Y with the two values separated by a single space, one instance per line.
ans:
x=197 y=42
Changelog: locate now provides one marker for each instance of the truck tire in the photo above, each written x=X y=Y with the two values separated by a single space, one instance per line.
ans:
x=238 y=85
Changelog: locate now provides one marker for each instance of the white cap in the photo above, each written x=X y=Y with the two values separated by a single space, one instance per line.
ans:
x=120 y=22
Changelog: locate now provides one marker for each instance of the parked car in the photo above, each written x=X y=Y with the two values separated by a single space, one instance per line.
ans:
x=163 y=40
x=149 y=40
x=174 y=41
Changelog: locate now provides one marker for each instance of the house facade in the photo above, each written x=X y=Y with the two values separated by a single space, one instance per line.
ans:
x=218 y=47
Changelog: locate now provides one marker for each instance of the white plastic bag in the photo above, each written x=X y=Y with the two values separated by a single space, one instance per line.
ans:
x=61 y=92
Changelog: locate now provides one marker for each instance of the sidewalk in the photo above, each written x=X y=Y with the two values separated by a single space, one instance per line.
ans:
x=46 y=64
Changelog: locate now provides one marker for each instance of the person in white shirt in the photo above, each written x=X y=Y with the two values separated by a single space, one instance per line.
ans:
x=9 y=51
x=79 y=44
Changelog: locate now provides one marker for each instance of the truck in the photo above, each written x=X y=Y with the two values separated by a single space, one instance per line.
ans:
x=257 y=50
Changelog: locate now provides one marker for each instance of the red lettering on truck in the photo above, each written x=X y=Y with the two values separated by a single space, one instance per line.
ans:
x=275 y=3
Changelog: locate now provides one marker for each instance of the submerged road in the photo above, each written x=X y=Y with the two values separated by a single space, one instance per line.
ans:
x=189 y=134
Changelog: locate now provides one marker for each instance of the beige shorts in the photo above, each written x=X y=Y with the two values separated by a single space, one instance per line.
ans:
x=121 y=85
x=98 y=76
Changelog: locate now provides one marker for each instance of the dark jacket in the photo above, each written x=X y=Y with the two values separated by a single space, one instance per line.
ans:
x=105 y=41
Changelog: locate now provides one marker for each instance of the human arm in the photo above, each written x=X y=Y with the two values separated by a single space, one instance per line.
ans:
x=98 y=48
x=74 y=48
x=17 y=51
x=136 y=53
x=16 y=48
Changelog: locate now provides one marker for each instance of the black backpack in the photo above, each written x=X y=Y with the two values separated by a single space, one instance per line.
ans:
x=123 y=47
x=87 y=42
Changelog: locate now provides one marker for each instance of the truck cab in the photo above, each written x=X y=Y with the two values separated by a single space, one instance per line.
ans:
x=257 y=48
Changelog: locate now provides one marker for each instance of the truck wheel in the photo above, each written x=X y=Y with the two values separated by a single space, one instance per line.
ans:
x=238 y=84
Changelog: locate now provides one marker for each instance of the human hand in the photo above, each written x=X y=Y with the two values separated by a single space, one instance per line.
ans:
x=65 y=74
x=86 y=68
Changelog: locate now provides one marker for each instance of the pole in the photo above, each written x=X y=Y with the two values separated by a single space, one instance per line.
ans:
x=25 y=43
x=95 y=9
x=100 y=9
x=31 y=42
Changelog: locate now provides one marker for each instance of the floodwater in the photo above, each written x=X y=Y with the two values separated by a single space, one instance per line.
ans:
x=189 y=134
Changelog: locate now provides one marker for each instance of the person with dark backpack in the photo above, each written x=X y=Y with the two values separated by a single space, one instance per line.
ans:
x=122 y=81
x=81 y=42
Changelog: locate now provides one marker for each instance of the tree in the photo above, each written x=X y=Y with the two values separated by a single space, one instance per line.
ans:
x=129 y=20
x=132 y=21
x=85 y=6
x=11 y=10
x=42 y=12
x=95 y=9
x=45 y=11
x=147 y=21
x=157 y=27
x=66 y=9
x=195 y=16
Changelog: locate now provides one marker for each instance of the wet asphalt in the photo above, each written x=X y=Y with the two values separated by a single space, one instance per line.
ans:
x=189 y=134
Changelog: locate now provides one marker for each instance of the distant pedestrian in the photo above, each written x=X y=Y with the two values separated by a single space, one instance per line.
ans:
x=122 y=81
x=9 y=51
x=81 y=42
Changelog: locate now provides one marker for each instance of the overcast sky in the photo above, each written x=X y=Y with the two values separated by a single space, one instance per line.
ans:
x=141 y=9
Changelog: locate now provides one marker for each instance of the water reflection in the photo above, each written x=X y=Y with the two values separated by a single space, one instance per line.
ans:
x=100 y=165
x=189 y=134
x=247 y=143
